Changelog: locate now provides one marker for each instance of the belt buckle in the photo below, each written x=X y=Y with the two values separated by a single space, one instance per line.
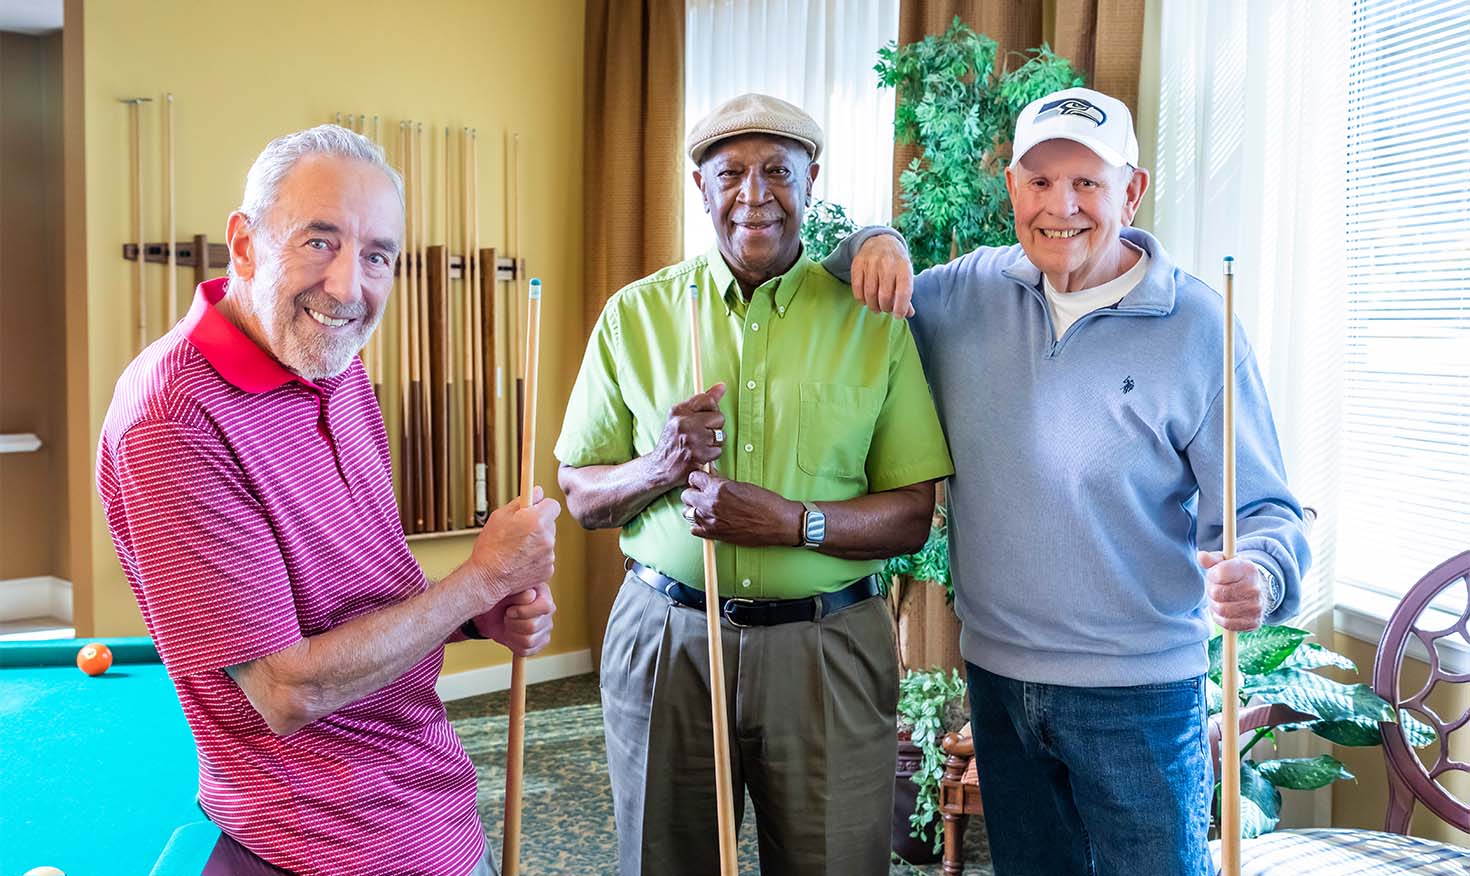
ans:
x=726 y=611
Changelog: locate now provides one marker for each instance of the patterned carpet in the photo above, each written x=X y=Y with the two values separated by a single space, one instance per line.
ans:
x=567 y=825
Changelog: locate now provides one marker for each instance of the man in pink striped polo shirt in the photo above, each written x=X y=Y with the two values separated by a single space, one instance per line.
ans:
x=244 y=471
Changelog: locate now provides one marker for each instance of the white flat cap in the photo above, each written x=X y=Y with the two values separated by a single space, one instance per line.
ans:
x=754 y=114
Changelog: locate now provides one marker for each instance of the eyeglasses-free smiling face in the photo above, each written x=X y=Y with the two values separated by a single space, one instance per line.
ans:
x=1070 y=207
x=756 y=188
x=318 y=268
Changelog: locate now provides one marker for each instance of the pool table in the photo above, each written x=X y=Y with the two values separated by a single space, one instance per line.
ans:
x=96 y=774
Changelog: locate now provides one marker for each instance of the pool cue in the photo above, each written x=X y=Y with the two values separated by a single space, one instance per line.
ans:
x=472 y=384
x=411 y=460
x=442 y=360
x=414 y=356
x=510 y=856
x=377 y=374
x=491 y=325
x=724 y=797
x=173 y=310
x=410 y=337
x=135 y=134
x=485 y=492
x=454 y=342
x=1229 y=668
x=469 y=423
x=405 y=456
x=201 y=259
x=515 y=367
x=501 y=354
x=421 y=332
x=438 y=384
x=426 y=423
x=488 y=327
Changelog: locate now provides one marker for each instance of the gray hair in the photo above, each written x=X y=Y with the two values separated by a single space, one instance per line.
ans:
x=281 y=154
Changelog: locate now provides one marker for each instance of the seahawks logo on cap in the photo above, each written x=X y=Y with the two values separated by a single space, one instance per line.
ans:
x=1073 y=106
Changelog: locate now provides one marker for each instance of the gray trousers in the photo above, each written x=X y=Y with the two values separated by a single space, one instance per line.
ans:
x=812 y=737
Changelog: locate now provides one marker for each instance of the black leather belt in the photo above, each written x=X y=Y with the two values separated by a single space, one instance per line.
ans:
x=741 y=612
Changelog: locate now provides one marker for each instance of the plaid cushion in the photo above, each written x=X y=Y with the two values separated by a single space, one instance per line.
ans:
x=1324 y=852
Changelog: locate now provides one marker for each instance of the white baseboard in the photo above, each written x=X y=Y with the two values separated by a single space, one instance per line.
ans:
x=42 y=596
x=490 y=679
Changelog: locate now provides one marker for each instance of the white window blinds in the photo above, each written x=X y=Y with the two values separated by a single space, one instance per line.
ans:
x=1405 y=499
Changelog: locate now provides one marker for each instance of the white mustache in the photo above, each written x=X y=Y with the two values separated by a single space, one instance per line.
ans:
x=330 y=308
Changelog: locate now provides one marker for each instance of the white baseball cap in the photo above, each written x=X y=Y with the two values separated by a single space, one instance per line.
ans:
x=1101 y=123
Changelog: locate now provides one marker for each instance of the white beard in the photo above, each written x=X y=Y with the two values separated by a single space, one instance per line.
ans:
x=294 y=337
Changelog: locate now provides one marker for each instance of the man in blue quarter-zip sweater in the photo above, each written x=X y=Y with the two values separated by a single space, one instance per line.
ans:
x=1077 y=378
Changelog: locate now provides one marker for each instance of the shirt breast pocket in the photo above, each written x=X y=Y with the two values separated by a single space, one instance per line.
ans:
x=835 y=429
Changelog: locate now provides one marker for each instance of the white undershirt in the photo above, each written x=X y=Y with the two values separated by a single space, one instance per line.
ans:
x=1068 y=307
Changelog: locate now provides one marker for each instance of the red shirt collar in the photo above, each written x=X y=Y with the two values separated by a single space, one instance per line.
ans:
x=232 y=353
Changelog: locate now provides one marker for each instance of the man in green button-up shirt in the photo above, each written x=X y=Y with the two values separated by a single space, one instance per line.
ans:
x=826 y=447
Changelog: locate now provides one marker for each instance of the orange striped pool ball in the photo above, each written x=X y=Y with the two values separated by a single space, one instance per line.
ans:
x=94 y=658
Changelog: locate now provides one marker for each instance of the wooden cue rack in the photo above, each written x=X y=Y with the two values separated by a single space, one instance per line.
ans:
x=443 y=308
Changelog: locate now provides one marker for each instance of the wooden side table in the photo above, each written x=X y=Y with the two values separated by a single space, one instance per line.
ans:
x=959 y=797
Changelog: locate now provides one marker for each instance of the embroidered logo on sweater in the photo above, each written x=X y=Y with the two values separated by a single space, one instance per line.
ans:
x=1127 y=384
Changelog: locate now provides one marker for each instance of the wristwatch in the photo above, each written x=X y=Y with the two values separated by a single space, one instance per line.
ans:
x=1270 y=585
x=813 y=526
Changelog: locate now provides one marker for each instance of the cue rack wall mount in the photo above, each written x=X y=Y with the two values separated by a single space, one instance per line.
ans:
x=447 y=361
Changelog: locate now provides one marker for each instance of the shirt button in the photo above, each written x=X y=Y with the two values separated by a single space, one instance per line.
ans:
x=755 y=326
x=750 y=384
x=745 y=583
x=781 y=310
x=750 y=448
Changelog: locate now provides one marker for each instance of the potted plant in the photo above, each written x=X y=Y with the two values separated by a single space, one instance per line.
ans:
x=920 y=600
x=931 y=703
x=960 y=109
x=823 y=227
x=1278 y=666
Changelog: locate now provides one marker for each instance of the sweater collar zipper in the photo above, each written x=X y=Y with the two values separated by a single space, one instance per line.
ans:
x=1054 y=347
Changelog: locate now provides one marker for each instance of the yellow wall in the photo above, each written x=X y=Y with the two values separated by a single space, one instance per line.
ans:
x=1363 y=804
x=245 y=73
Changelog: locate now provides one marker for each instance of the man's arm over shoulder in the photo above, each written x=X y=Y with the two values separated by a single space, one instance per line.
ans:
x=876 y=262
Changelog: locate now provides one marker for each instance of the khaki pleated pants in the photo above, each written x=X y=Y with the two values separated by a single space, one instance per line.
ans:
x=811 y=708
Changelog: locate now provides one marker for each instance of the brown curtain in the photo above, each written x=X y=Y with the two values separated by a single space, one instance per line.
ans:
x=1103 y=38
x=633 y=170
x=632 y=156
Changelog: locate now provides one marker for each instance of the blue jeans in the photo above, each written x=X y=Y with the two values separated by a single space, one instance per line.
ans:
x=1093 y=781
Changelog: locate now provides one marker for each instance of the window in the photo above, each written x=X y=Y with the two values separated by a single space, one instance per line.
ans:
x=1405 y=486
x=817 y=54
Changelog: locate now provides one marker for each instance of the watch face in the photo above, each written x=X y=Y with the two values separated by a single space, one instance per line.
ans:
x=816 y=527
